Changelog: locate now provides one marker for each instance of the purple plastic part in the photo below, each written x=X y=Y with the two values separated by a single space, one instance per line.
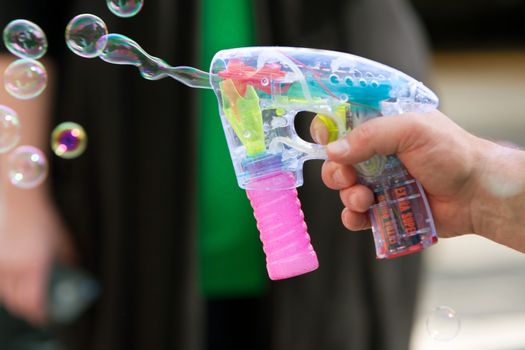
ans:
x=280 y=221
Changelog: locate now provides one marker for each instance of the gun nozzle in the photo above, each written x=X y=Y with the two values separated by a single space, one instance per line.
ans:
x=426 y=98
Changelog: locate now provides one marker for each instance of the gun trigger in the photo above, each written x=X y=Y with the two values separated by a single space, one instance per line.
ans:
x=336 y=125
x=331 y=127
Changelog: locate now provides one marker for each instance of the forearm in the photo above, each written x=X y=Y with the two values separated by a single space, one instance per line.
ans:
x=498 y=207
x=34 y=117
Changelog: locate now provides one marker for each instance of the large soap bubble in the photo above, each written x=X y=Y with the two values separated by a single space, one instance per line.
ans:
x=27 y=167
x=25 y=78
x=83 y=33
x=25 y=39
x=443 y=323
x=125 y=8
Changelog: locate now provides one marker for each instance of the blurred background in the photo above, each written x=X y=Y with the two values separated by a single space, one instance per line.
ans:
x=476 y=286
x=478 y=70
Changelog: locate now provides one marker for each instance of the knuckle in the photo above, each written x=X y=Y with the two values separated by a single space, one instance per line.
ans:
x=364 y=132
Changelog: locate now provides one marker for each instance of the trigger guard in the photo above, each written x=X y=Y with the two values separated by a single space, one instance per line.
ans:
x=308 y=150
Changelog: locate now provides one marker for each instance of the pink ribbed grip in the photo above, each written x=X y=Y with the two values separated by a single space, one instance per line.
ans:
x=280 y=221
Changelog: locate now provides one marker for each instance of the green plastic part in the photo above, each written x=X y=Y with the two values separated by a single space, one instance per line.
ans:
x=244 y=115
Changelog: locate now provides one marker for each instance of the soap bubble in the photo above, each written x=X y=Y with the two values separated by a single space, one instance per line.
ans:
x=25 y=78
x=25 y=39
x=9 y=129
x=443 y=323
x=68 y=140
x=27 y=167
x=83 y=33
x=125 y=8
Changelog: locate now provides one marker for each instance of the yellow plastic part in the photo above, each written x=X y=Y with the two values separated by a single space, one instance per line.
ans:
x=244 y=115
x=331 y=124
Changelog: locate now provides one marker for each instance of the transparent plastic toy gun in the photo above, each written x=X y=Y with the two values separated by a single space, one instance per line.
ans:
x=261 y=89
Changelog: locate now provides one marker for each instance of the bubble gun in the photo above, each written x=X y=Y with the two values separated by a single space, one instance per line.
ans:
x=260 y=90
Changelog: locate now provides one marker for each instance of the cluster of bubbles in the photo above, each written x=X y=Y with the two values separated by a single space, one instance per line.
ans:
x=87 y=36
x=26 y=78
x=26 y=165
x=443 y=323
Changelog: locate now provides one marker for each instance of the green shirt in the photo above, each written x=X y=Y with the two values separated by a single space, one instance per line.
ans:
x=230 y=252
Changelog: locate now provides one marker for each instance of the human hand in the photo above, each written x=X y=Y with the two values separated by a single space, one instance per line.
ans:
x=445 y=159
x=31 y=238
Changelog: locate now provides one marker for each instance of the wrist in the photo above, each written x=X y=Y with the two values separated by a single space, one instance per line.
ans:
x=498 y=203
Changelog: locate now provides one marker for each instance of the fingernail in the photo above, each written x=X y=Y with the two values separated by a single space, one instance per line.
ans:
x=316 y=135
x=351 y=200
x=318 y=132
x=338 y=177
x=339 y=147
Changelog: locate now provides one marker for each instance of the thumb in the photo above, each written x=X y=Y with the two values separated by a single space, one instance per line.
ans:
x=385 y=136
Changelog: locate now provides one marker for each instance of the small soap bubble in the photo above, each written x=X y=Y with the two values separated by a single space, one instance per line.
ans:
x=25 y=39
x=334 y=79
x=9 y=129
x=247 y=133
x=85 y=35
x=27 y=167
x=25 y=78
x=443 y=323
x=343 y=97
x=125 y=8
x=348 y=81
x=374 y=83
x=68 y=140
x=363 y=82
x=265 y=82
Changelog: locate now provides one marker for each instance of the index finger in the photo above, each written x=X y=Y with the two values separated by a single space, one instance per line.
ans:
x=385 y=136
